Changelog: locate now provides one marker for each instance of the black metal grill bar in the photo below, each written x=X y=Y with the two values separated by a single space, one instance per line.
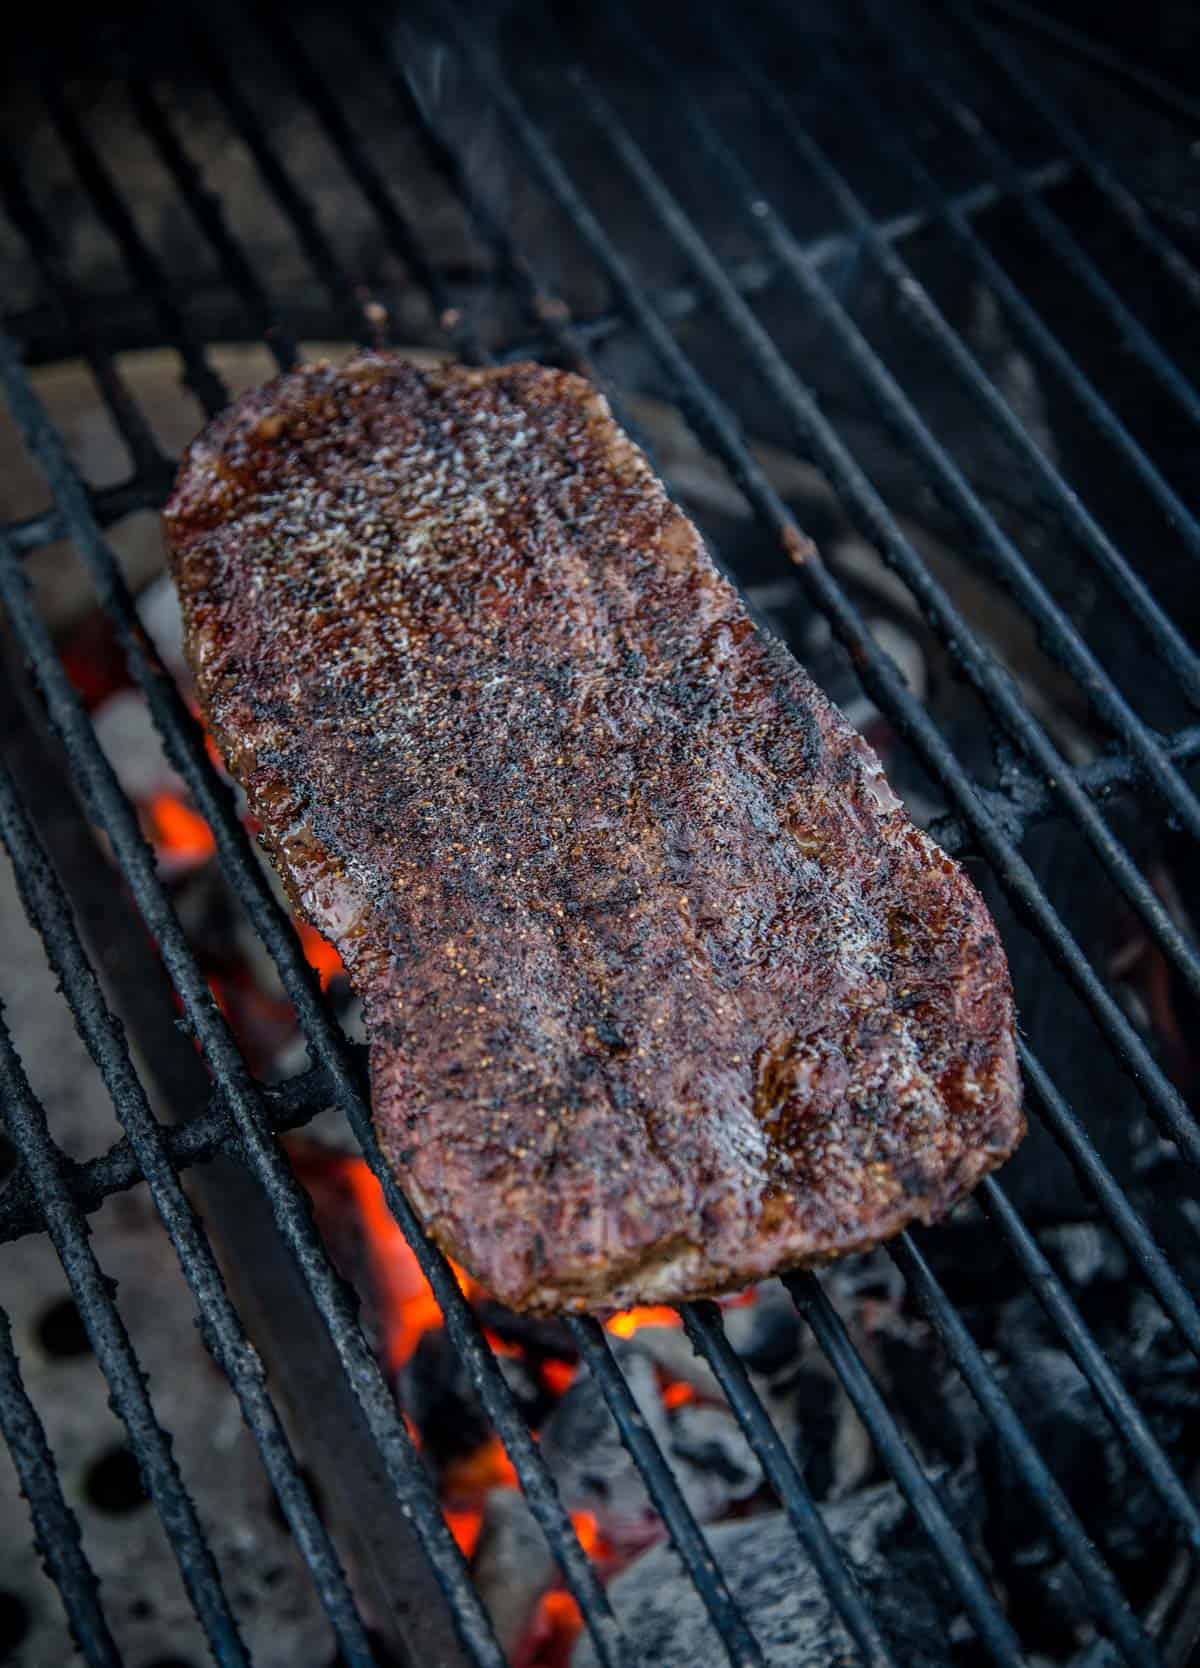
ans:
x=1032 y=329
x=68 y=1228
x=202 y=1137
x=287 y=1200
x=707 y=1334
x=187 y=752
x=977 y=662
x=876 y=671
x=977 y=1599
x=1118 y=195
x=681 y=301
x=209 y=214
x=1064 y=1125
x=55 y=1526
x=1050 y=228
x=1151 y=88
x=348 y=300
x=43 y=244
x=220 y=1328
x=276 y=30
x=1026 y=801
x=676 y=302
x=143 y=264
x=109 y=505
x=1107 y=1601
x=1072 y=511
x=1123 y=1413
x=739 y=1644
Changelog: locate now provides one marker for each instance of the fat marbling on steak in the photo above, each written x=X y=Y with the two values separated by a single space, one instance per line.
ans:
x=664 y=991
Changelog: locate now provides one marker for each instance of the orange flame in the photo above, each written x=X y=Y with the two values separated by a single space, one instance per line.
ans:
x=677 y=1393
x=556 y=1627
x=179 y=832
x=487 y=1467
x=407 y=1308
x=588 y=1531
x=628 y=1321
x=558 y=1376
x=319 y=953
x=465 y=1527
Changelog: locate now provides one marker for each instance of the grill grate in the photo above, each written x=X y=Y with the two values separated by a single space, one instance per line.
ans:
x=244 y=1116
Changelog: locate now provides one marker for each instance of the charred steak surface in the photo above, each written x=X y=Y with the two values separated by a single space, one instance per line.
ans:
x=664 y=991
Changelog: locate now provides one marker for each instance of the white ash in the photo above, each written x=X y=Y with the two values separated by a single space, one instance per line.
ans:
x=773 y=1582
x=512 y=1565
x=710 y=1458
x=132 y=746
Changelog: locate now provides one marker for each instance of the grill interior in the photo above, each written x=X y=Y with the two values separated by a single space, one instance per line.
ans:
x=921 y=287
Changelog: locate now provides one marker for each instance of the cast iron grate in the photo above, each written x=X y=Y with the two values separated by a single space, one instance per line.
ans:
x=244 y=1116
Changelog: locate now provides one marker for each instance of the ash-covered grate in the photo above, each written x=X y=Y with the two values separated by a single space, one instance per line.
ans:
x=921 y=290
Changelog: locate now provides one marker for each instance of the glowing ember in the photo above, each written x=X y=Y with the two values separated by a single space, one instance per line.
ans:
x=465 y=1527
x=675 y=1395
x=498 y=1345
x=627 y=1322
x=558 y=1376
x=405 y=1305
x=555 y=1630
x=319 y=953
x=588 y=1531
x=403 y=1309
x=180 y=835
x=472 y=1476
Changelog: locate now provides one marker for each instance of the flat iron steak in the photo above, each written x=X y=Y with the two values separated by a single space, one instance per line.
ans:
x=664 y=991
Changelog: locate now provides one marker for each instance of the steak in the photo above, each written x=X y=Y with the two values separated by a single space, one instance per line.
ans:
x=664 y=992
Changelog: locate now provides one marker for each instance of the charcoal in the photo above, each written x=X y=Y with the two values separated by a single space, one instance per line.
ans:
x=670 y=1349
x=581 y=1445
x=1106 y=1488
x=935 y=1403
x=765 y=1333
x=807 y=1408
x=711 y=1460
x=126 y=732
x=512 y=1566
x=1086 y=1252
x=773 y=1581
x=708 y=1449
x=437 y=1394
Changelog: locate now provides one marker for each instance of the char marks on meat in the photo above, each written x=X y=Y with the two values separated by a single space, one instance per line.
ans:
x=664 y=991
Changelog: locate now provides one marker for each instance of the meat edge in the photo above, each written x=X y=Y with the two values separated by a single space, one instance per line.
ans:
x=676 y=1265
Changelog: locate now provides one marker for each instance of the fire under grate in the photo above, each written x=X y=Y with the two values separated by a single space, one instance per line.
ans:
x=997 y=313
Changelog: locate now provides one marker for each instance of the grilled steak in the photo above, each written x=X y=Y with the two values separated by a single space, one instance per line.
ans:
x=664 y=991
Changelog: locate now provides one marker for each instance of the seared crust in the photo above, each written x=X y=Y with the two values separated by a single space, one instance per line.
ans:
x=665 y=993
